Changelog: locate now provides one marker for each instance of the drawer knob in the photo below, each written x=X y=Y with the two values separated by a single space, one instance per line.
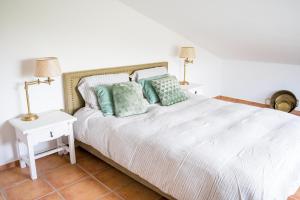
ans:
x=51 y=134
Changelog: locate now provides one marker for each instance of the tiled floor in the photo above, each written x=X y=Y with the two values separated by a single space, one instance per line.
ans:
x=295 y=196
x=89 y=179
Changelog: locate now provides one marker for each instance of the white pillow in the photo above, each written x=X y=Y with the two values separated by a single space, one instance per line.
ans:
x=147 y=73
x=87 y=84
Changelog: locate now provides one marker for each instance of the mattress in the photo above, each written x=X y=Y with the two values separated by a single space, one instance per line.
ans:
x=202 y=148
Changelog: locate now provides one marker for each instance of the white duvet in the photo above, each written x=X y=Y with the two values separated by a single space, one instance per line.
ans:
x=203 y=148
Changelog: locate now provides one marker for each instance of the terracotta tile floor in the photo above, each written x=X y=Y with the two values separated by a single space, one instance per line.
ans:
x=295 y=196
x=89 y=179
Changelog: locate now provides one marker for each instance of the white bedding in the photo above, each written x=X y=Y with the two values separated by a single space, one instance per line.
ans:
x=203 y=148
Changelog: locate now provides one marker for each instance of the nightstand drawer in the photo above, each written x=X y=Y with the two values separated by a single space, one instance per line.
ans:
x=49 y=133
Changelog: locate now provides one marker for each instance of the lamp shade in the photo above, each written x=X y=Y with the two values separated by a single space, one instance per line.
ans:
x=47 y=67
x=187 y=52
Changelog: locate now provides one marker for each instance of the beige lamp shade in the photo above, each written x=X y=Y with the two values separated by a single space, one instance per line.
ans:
x=47 y=67
x=187 y=52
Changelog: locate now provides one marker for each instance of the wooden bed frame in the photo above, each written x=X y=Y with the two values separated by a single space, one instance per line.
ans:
x=74 y=101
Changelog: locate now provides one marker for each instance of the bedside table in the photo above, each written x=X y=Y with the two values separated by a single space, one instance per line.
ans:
x=193 y=88
x=51 y=125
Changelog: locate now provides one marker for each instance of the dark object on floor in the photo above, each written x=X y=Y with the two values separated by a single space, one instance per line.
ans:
x=284 y=100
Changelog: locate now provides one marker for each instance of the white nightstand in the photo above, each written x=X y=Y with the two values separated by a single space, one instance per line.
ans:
x=193 y=88
x=51 y=125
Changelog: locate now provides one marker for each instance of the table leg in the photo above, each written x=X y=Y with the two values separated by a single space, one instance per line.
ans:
x=72 y=148
x=31 y=160
x=59 y=144
x=19 y=152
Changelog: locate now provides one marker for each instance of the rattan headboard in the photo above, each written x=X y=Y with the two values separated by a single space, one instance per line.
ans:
x=72 y=97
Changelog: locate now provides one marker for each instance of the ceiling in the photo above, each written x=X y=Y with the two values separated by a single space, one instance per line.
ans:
x=259 y=30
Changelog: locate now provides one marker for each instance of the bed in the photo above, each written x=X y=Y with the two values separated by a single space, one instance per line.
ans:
x=201 y=148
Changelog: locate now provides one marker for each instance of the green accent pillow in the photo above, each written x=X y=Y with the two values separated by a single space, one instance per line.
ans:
x=168 y=90
x=148 y=90
x=128 y=99
x=105 y=99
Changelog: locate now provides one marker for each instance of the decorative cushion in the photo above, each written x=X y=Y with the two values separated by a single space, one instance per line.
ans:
x=128 y=99
x=147 y=73
x=86 y=86
x=148 y=90
x=105 y=99
x=168 y=90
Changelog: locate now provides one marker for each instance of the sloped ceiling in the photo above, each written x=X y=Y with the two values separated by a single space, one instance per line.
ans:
x=260 y=30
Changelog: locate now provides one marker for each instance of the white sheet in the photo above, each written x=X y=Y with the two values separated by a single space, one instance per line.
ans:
x=203 y=148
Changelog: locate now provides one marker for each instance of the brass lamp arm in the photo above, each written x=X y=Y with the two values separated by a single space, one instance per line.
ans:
x=30 y=116
x=187 y=60
x=38 y=81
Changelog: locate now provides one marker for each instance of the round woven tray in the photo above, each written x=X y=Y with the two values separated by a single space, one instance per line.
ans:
x=284 y=100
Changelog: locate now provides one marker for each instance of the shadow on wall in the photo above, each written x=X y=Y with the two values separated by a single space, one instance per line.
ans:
x=8 y=139
x=177 y=71
x=7 y=134
x=27 y=67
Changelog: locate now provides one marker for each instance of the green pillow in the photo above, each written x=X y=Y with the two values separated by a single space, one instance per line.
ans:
x=148 y=89
x=128 y=99
x=105 y=99
x=168 y=90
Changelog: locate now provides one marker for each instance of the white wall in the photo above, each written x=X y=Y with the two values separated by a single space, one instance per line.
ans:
x=83 y=35
x=257 y=30
x=257 y=81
